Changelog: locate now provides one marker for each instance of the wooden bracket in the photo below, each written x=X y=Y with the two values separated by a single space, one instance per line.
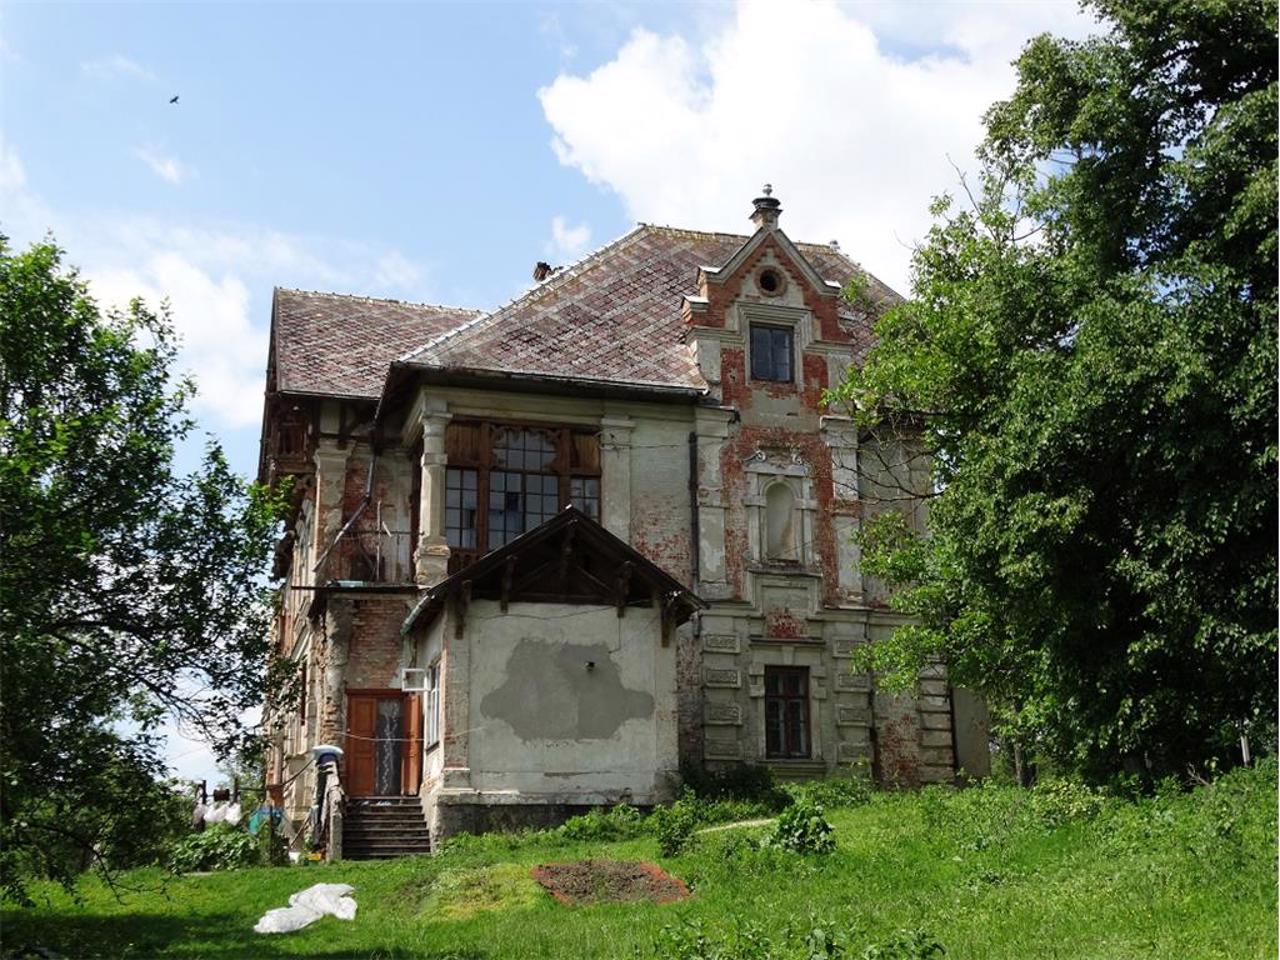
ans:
x=624 y=585
x=508 y=574
x=566 y=555
x=461 y=603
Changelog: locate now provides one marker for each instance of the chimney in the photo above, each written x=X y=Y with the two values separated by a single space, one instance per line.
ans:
x=767 y=209
x=542 y=270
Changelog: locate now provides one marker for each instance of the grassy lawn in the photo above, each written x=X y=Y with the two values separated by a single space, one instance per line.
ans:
x=987 y=873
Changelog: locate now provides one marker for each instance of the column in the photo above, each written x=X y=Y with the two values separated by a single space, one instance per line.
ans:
x=432 y=563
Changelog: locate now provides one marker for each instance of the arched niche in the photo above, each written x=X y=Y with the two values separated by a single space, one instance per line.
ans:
x=780 y=522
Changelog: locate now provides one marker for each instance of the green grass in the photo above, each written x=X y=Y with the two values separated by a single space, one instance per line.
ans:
x=988 y=873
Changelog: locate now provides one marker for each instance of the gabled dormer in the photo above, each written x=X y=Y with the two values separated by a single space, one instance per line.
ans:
x=764 y=323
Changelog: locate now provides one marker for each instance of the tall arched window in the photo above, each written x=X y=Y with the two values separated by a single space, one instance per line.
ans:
x=780 y=537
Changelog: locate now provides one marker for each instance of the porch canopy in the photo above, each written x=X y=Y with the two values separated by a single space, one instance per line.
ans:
x=569 y=559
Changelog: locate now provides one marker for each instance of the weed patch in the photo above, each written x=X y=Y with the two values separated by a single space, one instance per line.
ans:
x=461 y=894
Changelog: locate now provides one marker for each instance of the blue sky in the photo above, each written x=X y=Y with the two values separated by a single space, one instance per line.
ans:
x=434 y=152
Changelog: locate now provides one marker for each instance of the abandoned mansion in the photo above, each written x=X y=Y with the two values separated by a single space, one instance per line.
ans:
x=549 y=556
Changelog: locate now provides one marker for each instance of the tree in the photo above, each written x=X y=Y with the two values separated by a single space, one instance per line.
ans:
x=1090 y=360
x=128 y=593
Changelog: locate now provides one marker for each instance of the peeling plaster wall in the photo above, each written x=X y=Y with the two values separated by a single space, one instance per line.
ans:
x=660 y=509
x=546 y=725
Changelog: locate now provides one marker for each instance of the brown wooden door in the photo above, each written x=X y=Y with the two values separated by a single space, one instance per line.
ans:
x=375 y=744
x=413 y=745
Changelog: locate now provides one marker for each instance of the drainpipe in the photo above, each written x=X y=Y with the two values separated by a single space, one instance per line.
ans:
x=695 y=529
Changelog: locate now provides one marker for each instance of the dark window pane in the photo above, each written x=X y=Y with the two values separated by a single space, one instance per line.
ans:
x=781 y=354
x=771 y=350
x=786 y=706
x=761 y=354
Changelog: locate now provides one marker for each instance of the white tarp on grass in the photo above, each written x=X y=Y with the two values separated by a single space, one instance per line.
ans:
x=309 y=905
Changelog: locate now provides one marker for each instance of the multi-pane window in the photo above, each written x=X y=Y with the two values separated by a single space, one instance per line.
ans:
x=432 y=704
x=584 y=493
x=771 y=352
x=786 y=712
x=504 y=480
x=460 y=507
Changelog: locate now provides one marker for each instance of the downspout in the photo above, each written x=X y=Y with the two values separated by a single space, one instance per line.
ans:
x=695 y=527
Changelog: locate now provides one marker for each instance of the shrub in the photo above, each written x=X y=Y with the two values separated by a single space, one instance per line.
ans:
x=802 y=828
x=219 y=847
x=906 y=945
x=743 y=782
x=674 y=826
x=1055 y=802
x=620 y=823
x=833 y=792
x=728 y=811
x=273 y=849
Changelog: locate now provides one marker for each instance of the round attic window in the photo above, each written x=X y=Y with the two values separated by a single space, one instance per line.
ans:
x=770 y=282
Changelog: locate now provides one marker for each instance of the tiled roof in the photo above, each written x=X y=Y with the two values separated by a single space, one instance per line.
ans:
x=336 y=345
x=616 y=315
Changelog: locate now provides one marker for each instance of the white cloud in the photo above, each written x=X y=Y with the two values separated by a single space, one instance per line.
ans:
x=217 y=278
x=568 y=243
x=221 y=344
x=852 y=113
x=118 y=65
x=394 y=273
x=165 y=167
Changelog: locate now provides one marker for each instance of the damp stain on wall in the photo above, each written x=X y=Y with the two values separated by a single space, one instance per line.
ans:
x=557 y=691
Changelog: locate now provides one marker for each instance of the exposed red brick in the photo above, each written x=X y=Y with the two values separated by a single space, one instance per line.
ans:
x=782 y=624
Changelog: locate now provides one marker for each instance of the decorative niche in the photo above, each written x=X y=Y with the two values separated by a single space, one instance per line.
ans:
x=780 y=508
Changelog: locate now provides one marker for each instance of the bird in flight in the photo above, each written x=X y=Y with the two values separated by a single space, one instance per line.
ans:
x=173 y=99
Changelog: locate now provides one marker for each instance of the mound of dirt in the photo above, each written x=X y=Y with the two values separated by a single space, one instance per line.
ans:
x=609 y=881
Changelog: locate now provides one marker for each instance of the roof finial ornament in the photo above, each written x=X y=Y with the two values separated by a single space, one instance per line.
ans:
x=767 y=208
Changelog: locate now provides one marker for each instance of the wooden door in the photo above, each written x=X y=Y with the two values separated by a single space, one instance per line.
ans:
x=413 y=742
x=375 y=743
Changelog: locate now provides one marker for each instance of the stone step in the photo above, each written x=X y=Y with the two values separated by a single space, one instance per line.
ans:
x=394 y=850
x=380 y=836
x=386 y=856
x=408 y=819
x=391 y=844
x=393 y=828
x=383 y=803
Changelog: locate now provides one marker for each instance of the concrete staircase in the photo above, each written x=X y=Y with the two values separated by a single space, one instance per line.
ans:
x=378 y=828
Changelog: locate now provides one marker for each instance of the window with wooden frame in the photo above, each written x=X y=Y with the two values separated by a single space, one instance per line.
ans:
x=504 y=479
x=786 y=713
x=772 y=349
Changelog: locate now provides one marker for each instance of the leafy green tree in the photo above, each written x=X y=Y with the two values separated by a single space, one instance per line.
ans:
x=1090 y=359
x=128 y=593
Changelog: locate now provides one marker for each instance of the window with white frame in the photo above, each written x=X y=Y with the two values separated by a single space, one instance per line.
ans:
x=433 y=704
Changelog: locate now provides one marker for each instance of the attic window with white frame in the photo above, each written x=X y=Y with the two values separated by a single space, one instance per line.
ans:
x=772 y=349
